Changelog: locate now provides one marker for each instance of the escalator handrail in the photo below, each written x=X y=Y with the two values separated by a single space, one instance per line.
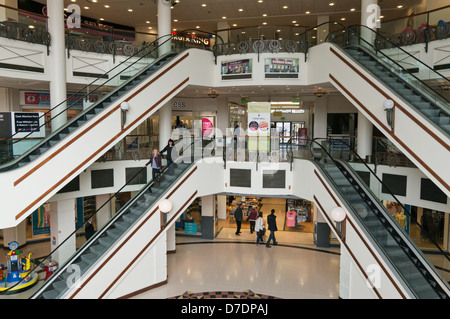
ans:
x=407 y=242
x=348 y=29
x=105 y=227
x=158 y=44
x=361 y=161
x=82 y=226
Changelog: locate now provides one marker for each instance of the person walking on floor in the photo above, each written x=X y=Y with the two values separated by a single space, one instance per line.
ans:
x=238 y=218
x=252 y=218
x=272 y=226
x=259 y=229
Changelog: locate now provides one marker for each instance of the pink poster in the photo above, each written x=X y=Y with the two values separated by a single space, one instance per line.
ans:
x=207 y=126
x=302 y=136
x=290 y=218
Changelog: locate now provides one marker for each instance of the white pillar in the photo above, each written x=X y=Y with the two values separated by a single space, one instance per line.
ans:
x=370 y=17
x=320 y=117
x=62 y=225
x=104 y=214
x=323 y=30
x=164 y=26
x=364 y=136
x=17 y=234
x=165 y=124
x=171 y=240
x=221 y=207
x=57 y=69
x=222 y=25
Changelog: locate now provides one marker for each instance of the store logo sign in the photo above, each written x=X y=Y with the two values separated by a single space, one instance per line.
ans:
x=74 y=19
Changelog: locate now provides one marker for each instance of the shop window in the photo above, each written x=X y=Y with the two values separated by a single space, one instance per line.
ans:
x=136 y=176
x=274 y=179
x=395 y=184
x=429 y=191
x=102 y=178
x=72 y=186
x=240 y=177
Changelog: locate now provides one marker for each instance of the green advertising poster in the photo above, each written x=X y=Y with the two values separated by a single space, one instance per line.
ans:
x=258 y=128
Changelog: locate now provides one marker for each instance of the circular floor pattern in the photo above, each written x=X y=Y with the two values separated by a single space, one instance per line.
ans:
x=248 y=294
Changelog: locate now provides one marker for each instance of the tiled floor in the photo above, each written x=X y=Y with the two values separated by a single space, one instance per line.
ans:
x=294 y=269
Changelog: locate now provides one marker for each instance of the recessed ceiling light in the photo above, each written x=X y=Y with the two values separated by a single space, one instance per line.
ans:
x=241 y=10
x=198 y=27
x=235 y=25
x=224 y=17
x=260 y=1
x=87 y=8
x=175 y=20
x=285 y=7
x=308 y=12
x=400 y=6
x=331 y=4
x=294 y=21
x=381 y=17
x=264 y=23
x=204 y=5
x=101 y=19
x=265 y=15
x=147 y=21
x=130 y=10
x=106 y=6
x=352 y=9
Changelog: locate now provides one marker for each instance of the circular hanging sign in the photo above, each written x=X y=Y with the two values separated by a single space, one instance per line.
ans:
x=253 y=126
x=264 y=126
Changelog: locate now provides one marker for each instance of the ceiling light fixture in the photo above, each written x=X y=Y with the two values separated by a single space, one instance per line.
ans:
x=320 y=93
x=213 y=94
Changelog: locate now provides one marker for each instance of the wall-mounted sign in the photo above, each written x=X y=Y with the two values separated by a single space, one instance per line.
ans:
x=259 y=125
x=281 y=68
x=192 y=39
x=207 y=126
x=75 y=101
x=239 y=69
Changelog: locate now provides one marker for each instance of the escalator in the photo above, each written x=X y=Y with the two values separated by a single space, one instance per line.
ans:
x=144 y=81
x=118 y=236
x=405 y=103
x=359 y=188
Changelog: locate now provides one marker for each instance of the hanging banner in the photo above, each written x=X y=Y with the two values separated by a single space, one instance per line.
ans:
x=41 y=220
x=207 y=126
x=258 y=127
x=302 y=136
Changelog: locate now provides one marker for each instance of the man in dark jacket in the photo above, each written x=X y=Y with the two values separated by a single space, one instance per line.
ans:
x=272 y=226
x=238 y=218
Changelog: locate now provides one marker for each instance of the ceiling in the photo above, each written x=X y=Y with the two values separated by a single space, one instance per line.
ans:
x=190 y=14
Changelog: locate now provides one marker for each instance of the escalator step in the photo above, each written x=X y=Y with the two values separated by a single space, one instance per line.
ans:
x=123 y=225
x=98 y=250
x=60 y=286
x=52 y=294
x=89 y=258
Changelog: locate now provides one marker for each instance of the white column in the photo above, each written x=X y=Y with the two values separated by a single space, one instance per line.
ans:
x=364 y=136
x=222 y=207
x=57 y=69
x=370 y=15
x=323 y=30
x=320 y=117
x=164 y=26
x=62 y=225
x=104 y=214
x=222 y=25
x=18 y=234
x=171 y=240
x=165 y=124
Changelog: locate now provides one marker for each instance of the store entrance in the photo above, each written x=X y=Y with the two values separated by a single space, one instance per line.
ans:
x=295 y=218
